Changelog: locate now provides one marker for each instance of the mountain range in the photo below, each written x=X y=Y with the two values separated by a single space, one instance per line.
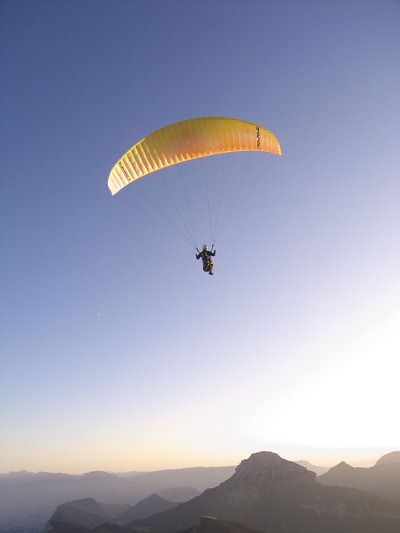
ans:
x=266 y=493
x=27 y=500
x=382 y=479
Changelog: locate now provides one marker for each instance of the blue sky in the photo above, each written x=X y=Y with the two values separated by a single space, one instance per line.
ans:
x=118 y=352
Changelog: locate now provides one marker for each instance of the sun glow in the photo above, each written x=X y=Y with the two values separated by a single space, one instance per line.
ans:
x=345 y=396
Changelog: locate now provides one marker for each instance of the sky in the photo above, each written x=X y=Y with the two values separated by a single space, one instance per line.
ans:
x=118 y=352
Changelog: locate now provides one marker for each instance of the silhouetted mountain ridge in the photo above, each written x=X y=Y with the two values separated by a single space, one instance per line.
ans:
x=85 y=513
x=274 y=495
x=382 y=479
x=149 y=506
x=28 y=499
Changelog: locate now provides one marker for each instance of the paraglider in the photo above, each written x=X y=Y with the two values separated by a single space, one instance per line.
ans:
x=186 y=140
x=205 y=256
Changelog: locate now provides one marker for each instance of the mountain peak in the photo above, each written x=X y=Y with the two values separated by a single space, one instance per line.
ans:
x=342 y=466
x=389 y=458
x=269 y=466
x=99 y=475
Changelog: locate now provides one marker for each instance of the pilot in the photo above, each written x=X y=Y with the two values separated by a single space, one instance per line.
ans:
x=206 y=255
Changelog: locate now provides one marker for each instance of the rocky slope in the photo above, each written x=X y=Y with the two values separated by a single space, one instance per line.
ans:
x=273 y=495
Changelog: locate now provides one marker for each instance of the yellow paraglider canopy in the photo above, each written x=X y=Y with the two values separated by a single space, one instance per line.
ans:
x=189 y=139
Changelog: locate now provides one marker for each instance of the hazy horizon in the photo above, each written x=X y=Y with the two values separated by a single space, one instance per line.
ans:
x=353 y=459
